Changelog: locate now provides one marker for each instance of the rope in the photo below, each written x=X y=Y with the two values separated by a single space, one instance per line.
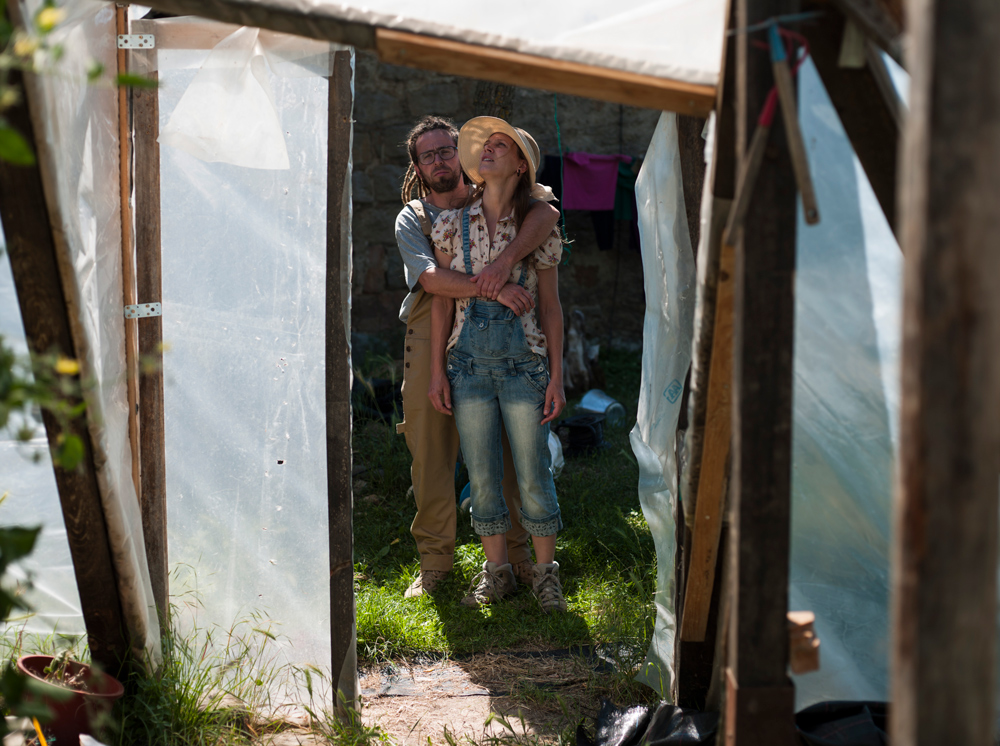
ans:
x=562 y=176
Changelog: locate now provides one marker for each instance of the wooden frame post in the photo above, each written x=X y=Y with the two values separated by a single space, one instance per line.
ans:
x=945 y=554
x=152 y=448
x=700 y=591
x=338 y=384
x=870 y=119
x=35 y=262
x=759 y=696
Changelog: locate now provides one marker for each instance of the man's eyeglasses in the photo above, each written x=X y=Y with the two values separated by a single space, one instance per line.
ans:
x=429 y=156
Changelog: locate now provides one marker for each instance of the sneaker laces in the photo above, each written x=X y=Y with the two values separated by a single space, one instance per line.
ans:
x=549 y=590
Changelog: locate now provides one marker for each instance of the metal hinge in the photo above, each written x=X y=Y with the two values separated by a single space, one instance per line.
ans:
x=136 y=41
x=143 y=310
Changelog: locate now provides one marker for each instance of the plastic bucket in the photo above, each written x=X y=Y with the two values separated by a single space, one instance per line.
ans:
x=596 y=400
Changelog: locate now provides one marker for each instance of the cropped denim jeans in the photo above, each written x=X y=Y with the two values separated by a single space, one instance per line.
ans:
x=483 y=391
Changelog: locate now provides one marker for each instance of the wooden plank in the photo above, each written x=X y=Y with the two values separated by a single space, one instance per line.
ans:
x=338 y=383
x=710 y=501
x=558 y=76
x=31 y=245
x=869 y=118
x=945 y=552
x=880 y=20
x=145 y=113
x=697 y=662
x=763 y=334
x=309 y=23
x=128 y=260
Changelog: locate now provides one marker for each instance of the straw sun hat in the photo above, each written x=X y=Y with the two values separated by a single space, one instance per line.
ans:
x=477 y=131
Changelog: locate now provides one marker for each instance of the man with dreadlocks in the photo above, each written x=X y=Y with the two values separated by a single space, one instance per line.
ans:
x=435 y=177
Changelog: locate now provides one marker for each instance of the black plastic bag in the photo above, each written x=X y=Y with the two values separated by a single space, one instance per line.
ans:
x=667 y=726
x=843 y=724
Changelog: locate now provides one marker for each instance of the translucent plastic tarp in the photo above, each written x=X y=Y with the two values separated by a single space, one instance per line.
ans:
x=77 y=125
x=846 y=404
x=244 y=272
x=676 y=39
x=228 y=112
x=668 y=277
x=32 y=499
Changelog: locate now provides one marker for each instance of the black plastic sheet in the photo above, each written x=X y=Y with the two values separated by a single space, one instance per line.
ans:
x=667 y=725
x=843 y=724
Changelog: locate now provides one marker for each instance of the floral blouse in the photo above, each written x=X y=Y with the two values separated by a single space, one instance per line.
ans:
x=447 y=236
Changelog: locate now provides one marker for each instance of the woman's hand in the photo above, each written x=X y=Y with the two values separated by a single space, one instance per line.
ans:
x=516 y=298
x=555 y=401
x=440 y=393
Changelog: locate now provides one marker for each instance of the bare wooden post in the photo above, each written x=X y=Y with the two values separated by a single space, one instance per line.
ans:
x=759 y=696
x=869 y=119
x=338 y=383
x=35 y=264
x=145 y=117
x=700 y=591
x=945 y=555
x=128 y=260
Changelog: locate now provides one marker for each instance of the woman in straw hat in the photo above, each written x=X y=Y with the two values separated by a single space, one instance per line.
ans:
x=488 y=363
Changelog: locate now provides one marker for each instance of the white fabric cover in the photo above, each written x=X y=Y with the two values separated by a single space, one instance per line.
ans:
x=77 y=126
x=676 y=39
x=668 y=276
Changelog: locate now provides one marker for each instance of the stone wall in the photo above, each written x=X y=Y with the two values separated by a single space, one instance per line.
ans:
x=605 y=285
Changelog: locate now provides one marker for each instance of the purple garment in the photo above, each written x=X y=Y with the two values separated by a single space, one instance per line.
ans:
x=589 y=181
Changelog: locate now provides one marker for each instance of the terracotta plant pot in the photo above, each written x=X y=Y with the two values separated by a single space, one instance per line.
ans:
x=73 y=715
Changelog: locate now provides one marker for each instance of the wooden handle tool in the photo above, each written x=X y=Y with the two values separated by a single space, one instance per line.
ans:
x=751 y=167
x=790 y=114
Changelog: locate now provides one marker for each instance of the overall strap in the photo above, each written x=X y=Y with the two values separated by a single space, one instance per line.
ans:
x=524 y=272
x=466 y=250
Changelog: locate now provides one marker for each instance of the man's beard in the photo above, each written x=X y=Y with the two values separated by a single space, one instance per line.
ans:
x=444 y=184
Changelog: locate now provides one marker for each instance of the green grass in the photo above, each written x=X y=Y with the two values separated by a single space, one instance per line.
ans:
x=606 y=554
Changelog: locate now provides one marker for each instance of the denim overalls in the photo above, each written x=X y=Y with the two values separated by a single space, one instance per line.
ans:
x=493 y=373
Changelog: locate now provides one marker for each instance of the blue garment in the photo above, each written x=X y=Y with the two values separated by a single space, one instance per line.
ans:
x=493 y=373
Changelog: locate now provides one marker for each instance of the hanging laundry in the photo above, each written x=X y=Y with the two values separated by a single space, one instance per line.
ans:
x=550 y=174
x=590 y=181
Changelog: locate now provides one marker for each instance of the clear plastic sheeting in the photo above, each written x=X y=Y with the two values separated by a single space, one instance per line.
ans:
x=846 y=402
x=244 y=273
x=228 y=114
x=77 y=129
x=668 y=276
x=32 y=499
x=676 y=39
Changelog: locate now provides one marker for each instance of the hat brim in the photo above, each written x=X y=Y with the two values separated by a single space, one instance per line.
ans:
x=474 y=135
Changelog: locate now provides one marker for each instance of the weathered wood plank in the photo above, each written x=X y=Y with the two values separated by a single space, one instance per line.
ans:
x=763 y=332
x=338 y=383
x=710 y=501
x=152 y=448
x=880 y=20
x=33 y=256
x=868 y=118
x=558 y=76
x=128 y=261
x=945 y=553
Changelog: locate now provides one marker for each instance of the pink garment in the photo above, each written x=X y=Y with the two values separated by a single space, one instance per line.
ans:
x=589 y=181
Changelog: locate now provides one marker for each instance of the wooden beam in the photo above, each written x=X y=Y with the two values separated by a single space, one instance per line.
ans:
x=760 y=698
x=558 y=76
x=273 y=16
x=128 y=258
x=34 y=259
x=696 y=659
x=338 y=383
x=945 y=551
x=146 y=123
x=711 y=495
x=880 y=20
x=870 y=120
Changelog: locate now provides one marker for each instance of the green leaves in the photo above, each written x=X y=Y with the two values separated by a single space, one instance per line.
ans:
x=14 y=147
x=131 y=80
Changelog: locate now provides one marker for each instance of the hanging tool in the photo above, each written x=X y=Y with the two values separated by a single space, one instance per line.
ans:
x=752 y=161
x=790 y=114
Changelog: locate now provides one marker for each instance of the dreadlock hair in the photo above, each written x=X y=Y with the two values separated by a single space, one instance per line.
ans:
x=414 y=181
x=522 y=194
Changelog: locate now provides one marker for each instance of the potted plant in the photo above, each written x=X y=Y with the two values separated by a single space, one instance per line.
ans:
x=79 y=696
